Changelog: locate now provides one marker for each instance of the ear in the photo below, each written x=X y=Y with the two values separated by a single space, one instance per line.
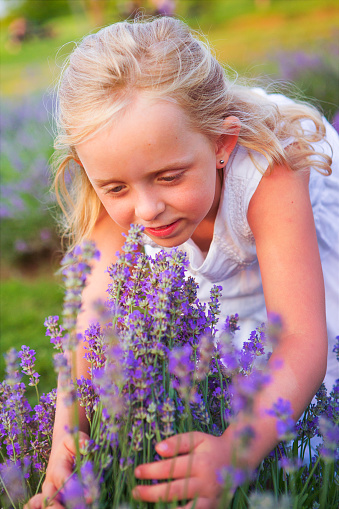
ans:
x=225 y=143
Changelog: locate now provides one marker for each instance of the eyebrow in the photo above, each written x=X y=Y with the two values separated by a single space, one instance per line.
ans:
x=171 y=167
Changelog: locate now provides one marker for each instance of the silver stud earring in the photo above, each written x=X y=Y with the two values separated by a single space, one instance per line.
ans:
x=222 y=161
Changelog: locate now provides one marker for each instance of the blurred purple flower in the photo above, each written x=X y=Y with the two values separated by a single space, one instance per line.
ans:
x=21 y=246
x=283 y=412
x=12 y=370
x=232 y=477
x=335 y=122
x=180 y=365
x=329 y=450
x=73 y=494
x=13 y=480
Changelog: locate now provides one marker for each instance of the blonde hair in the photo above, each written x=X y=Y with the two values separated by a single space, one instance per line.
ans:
x=165 y=59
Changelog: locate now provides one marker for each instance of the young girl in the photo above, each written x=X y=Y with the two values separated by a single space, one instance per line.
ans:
x=155 y=133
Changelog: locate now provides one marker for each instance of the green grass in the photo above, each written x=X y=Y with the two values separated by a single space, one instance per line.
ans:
x=24 y=305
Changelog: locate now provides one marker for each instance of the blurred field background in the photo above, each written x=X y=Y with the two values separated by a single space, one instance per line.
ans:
x=279 y=40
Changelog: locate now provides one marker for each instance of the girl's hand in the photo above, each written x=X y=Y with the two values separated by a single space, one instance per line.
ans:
x=194 y=461
x=60 y=467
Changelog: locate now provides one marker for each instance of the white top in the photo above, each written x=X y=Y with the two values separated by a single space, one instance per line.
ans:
x=231 y=260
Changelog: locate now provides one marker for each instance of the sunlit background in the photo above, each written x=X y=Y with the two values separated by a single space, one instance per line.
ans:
x=294 y=41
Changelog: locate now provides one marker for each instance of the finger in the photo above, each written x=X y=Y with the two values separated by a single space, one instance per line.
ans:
x=167 y=492
x=179 y=444
x=69 y=441
x=61 y=473
x=49 y=497
x=176 y=468
x=35 y=502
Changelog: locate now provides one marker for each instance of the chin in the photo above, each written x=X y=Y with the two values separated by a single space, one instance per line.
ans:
x=167 y=243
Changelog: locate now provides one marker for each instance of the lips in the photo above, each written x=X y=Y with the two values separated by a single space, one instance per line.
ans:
x=162 y=231
x=159 y=228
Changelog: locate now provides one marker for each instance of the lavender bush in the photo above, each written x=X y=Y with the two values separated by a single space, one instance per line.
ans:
x=315 y=74
x=160 y=364
x=27 y=223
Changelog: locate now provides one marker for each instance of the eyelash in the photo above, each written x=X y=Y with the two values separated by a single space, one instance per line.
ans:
x=170 y=179
x=111 y=191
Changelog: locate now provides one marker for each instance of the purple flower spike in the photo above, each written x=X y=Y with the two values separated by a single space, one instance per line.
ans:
x=73 y=494
x=181 y=366
x=335 y=122
x=283 y=412
x=13 y=479
x=329 y=450
x=232 y=477
x=27 y=363
x=91 y=484
x=76 y=267
x=336 y=348
x=205 y=352
x=13 y=375
x=274 y=328
x=54 y=331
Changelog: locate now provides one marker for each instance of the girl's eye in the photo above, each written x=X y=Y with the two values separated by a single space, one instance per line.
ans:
x=171 y=178
x=115 y=190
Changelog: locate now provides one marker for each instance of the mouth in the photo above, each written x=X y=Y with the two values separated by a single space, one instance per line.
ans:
x=162 y=231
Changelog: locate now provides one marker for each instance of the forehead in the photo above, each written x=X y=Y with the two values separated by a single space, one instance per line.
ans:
x=152 y=128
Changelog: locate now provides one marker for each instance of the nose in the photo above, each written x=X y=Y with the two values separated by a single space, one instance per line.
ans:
x=149 y=206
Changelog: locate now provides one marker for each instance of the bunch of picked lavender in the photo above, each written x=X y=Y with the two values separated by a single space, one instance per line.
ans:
x=159 y=366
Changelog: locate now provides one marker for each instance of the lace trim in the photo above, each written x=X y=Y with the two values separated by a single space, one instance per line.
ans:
x=232 y=252
x=236 y=188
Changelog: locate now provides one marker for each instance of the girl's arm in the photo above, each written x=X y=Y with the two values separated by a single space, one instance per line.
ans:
x=109 y=240
x=280 y=216
x=281 y=219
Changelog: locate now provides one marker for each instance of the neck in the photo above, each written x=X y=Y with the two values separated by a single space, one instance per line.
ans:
x=203 y=234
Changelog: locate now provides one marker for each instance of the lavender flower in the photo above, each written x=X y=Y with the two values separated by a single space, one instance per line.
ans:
x=87 y=396
x=283 y=412
x=333 y=409
x=155 y=371
x=231 y=477
x=13 y=375
x=97 y=345
x=91 y=485
x=76 y=267
x=12 y=483
x=274 y=328
x=181 y=366
x=63 y=368
x=167 y=417
x=54 y=331
x=336 y=348
x=27 y=363
x=335 y=121
x=329 y=450
x=231 y=324
x=73 y=494
x=205 y=351
x=244 y=389
x=290 y=465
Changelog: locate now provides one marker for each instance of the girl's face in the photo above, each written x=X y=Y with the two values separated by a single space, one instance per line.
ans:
x=151 y=168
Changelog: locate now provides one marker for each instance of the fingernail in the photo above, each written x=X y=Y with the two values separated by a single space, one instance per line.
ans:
x=135 y=493
x=137 y=472
x=163 y=447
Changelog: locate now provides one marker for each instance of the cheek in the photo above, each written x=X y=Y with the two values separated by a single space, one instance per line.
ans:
x=117 y=210
x=199 y=199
